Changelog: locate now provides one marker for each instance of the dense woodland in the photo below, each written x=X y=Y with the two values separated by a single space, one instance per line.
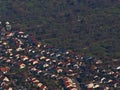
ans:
x=87 y=26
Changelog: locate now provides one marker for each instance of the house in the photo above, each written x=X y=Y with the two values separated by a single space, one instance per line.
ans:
x=118 y=68
x=69 y=84
x=4 y=69
x=22 y=65
x=40 y=85
x=6 y=79
x=10 y=88
x=59 y=70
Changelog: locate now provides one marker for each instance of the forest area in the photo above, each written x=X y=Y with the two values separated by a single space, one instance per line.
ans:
x=87 y=26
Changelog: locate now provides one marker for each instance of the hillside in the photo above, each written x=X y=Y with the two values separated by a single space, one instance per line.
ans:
x=27 y=64
x=87 y=26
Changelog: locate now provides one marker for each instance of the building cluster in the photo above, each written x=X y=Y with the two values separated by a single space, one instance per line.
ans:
x=22 y=52
x=69 y=84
